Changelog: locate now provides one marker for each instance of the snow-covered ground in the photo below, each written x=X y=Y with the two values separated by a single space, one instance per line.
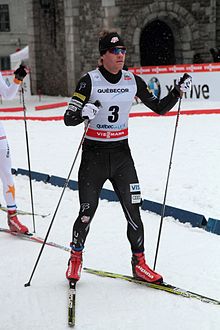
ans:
x=188 y=257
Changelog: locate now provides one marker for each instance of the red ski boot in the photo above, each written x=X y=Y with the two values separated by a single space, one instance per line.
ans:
x=142 y=271
x=74 y=266
x=14 y=224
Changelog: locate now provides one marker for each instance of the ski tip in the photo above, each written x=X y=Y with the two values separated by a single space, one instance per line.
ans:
x=28 y=234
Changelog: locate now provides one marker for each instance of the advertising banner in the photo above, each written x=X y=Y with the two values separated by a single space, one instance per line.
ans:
x=205 y=81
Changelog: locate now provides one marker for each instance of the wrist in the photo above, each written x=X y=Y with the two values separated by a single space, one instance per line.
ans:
x=17 y=81
x=177 y=92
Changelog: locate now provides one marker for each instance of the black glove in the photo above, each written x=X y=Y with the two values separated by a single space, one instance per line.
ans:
x=20 y=73
x=72 y=118
x=184 y=84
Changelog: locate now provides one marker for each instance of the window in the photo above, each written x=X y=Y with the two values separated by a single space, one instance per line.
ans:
x=4 y=18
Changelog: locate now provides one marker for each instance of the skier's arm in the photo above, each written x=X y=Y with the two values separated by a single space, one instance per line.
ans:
x=73 y=115
x=151 y=101
x=9 y=92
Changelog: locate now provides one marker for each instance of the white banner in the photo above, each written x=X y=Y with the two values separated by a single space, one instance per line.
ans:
x=205 y=78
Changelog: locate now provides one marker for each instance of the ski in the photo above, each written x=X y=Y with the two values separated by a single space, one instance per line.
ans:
x=20 y=212
x=72 y=303
x=164 y=286
x=33 y=238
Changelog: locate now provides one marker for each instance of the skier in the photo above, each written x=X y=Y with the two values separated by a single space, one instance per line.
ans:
x=103 y=99
x=8 y=92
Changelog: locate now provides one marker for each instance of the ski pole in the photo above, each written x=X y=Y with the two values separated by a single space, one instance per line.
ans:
x=167 y=181
x=61 y=196
x=28 y=157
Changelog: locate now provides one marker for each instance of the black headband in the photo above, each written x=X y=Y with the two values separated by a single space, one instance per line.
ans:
x=110 y=40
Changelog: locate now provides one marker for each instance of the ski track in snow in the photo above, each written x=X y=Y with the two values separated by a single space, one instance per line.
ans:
x=188 y=257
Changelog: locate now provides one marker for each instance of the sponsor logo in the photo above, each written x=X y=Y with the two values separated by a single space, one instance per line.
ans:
x=79 y=96
x=114 y=40
x=109 y=135
x=113 y=90
x=97 y=77
x=82 y=85
x=72 y=108
x=75 y=238
x=135 y=199
x=127 y=76
x=154 y=86
x=85 y=219
x=134 y=187
x=85 y=206
x=145 y=272
x=197 y=91
x=104 y=126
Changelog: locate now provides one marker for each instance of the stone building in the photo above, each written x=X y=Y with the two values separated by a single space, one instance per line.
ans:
x=13 y=29
x=63 y=35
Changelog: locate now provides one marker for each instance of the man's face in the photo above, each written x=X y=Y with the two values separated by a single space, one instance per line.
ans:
x=114 y=59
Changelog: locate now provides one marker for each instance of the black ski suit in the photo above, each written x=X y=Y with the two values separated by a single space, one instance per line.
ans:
x=106 y=153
